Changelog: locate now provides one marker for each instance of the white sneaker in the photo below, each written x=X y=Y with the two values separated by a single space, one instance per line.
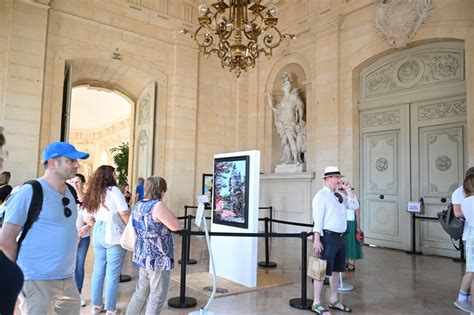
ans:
x=463 y=306
x=96 y=309
x=83 y=302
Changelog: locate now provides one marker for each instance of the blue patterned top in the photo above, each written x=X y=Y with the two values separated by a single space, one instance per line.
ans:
x=154 y=247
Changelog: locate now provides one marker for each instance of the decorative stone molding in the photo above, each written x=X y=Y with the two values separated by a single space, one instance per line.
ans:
x=442 y=110
x=443 y=163
x=381 y=164
x=398 y=20
x=380 y=119
x=419 y=70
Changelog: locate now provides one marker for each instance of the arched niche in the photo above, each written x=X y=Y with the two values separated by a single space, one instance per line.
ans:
x=298 y=76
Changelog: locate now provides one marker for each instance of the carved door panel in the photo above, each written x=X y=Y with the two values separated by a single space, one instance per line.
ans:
x=383 y=183
x=144 y=133
x=438 y=143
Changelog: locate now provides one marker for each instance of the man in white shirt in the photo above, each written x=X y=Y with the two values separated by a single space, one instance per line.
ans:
x=463 y=300
x=330 y=224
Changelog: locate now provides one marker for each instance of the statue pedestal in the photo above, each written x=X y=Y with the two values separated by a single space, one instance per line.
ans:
x=290 y=168
x=290 y=196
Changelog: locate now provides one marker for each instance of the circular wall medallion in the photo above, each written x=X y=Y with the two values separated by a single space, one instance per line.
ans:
x=443 y=163
x=381 y=164
x=409 y=72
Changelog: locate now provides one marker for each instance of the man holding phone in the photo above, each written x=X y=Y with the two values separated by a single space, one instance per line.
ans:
x=330 y=225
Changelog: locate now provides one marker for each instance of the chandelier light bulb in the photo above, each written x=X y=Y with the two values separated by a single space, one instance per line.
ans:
x=272 y=9
x=219 y=19
x=248 y=27
x=229 y=26
x=202 y=9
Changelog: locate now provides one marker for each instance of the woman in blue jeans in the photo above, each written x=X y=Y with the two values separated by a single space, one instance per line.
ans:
x=154 y=248
x=103 y=201
x=83 y=233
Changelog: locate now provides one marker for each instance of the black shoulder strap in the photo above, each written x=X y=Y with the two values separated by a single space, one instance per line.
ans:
x=73 y=192
x=34 y=209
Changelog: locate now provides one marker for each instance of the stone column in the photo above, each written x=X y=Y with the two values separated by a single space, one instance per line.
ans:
x=23 y=87
x=181 y=124
x=326 y=119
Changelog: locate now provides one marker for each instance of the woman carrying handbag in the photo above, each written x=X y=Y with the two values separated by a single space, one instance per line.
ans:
x=108 y=212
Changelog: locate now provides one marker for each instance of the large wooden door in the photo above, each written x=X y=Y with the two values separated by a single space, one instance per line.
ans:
x=412 y=134
x=438 y=163
x=384 y=164
x=66 y=106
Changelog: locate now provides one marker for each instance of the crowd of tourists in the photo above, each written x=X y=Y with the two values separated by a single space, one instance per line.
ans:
x=46 y=233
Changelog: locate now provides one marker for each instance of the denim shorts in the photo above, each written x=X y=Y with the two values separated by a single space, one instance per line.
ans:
x=334 y=251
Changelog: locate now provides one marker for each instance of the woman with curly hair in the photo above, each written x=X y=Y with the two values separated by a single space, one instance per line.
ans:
x=104 y=201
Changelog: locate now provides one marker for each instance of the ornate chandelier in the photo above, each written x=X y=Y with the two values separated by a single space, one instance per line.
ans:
x=232 y=32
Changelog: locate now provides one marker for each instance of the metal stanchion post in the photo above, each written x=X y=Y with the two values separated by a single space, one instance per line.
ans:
x=267 y=263
x=344 y=287
x=183 y=301
x=303 y=303
x=413 y=236
x=271 y=219
x=189 y=227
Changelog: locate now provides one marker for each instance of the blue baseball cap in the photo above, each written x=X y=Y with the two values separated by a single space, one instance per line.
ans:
x=57 y=149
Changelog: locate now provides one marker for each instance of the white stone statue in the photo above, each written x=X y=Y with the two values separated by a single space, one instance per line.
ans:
x=289 y=123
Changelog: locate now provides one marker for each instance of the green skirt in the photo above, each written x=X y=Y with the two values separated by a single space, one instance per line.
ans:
x=353 y=247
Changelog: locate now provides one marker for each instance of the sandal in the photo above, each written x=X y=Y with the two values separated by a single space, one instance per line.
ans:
x=319 y=309
x=350 y=267
x=342 y=307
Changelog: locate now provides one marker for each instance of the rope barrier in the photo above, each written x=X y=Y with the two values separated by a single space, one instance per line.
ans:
x=413 y=250
x=183 y=301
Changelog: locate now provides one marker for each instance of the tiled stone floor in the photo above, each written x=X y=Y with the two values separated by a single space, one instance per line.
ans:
x=386 y=282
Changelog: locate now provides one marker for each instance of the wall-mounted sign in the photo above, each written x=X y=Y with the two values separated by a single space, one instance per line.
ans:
x=414 y=206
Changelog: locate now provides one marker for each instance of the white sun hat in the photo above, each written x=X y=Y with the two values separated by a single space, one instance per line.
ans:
x=332 y=171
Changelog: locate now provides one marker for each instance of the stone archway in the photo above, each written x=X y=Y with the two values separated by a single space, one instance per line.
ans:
x=128 y=76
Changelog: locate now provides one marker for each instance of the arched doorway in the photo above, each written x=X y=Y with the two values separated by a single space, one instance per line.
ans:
x=100 y=121
x=413 y=139
x=137 y=82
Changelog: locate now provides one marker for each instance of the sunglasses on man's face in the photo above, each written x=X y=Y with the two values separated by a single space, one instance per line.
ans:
x=339 y=197
x=67 y=211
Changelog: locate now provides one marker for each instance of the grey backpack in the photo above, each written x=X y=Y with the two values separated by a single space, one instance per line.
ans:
x=452 y=225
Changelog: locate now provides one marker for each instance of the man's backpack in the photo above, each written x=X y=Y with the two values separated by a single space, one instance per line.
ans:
x=452 y=225
x=35 y=207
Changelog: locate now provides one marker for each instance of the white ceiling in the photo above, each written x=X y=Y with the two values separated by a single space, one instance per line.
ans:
x=94 y=109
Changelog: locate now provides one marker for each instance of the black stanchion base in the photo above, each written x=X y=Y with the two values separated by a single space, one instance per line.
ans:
x=264 y=264
x=125 y=278
x=177 y=303
x=190 y=262
x=297 y=303
x=459 y=260
x=410 y=252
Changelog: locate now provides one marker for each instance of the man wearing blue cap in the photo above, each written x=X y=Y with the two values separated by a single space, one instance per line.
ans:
x=48 y=252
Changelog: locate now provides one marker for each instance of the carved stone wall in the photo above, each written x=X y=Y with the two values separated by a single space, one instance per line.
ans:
x=398 y=20
x=417 y=71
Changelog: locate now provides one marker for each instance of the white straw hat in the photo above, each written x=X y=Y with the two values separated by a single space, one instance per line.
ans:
x=332 y=171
